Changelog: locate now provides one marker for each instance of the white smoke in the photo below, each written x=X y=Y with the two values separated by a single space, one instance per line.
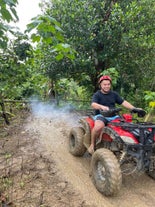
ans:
x=52 y=112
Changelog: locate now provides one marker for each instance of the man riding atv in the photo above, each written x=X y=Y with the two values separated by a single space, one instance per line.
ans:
x=123 y=145
x=104 y=99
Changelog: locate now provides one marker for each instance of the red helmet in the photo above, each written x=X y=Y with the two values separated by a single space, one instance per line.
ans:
x=104 y=77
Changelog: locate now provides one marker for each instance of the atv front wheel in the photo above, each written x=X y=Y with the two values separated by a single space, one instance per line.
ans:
x=106 y=173
x=151 y=171
x=76 y=146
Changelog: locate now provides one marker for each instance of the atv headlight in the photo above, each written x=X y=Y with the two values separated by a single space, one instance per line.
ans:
x=128 y=139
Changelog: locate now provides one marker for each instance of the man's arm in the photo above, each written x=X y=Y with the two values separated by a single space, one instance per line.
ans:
x=99 y=106
x=127 y=105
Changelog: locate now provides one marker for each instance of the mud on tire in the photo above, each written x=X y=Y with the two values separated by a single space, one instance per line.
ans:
x=151 y=173
x=76 y=146
x=105 y=172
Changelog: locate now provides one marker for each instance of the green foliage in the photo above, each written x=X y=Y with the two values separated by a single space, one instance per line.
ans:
x=47 y=28
x=109 y=37
x=69 y=89
x=149 y=96
x=18 y=74
x=135 y=60
x=22 y=49
x=75 y=95
x=101 y=34
x=7 y=10
x=7 y=14
x=48 y=32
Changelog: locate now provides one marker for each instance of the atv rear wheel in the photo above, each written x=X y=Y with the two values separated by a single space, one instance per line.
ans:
x=76 y=146
x=106 y=173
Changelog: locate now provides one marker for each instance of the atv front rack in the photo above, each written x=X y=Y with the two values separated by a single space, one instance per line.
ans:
x=143 y=131
x=143 y=125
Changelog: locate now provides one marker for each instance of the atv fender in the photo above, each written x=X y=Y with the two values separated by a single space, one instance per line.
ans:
x=108 y=134
x=87 y=134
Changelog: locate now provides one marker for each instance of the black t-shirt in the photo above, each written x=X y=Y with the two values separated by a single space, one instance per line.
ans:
x=109 y=99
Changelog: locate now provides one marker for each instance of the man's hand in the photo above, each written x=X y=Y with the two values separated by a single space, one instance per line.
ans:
x=140 y=112
x=105 y=108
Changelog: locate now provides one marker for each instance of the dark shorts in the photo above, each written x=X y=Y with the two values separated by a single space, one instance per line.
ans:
x=105 y=119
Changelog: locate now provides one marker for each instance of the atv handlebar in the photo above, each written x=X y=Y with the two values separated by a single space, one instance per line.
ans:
x=110 y=112
x=114 y=111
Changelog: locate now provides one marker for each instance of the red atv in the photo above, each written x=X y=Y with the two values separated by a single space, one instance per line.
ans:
x=124 y=146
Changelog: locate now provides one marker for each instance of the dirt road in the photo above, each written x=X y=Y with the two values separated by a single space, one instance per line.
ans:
x=52 y=130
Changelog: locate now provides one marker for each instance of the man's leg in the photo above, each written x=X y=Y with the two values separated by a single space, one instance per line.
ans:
x=99 y=125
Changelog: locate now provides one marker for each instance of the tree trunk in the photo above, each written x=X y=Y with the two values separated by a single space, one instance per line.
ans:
x=4 y=115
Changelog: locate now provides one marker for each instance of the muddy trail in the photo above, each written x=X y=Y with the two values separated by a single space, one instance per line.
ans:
x=37 y=169
x=52 y=131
